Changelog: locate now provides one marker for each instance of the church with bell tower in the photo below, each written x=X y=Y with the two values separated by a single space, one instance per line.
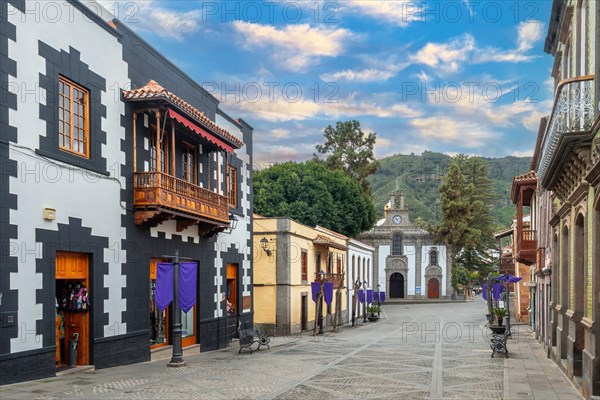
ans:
x=408 y=263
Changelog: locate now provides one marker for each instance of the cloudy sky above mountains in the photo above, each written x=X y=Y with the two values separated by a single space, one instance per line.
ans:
x=450 y=76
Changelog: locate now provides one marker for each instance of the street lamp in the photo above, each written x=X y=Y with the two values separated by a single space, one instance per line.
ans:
x=321 y=295
x=365 y=302
x=264 y=244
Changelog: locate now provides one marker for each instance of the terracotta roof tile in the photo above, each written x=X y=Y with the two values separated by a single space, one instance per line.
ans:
x=153 y=90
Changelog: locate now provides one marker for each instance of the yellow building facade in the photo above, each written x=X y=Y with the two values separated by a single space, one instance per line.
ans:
x=288 y=257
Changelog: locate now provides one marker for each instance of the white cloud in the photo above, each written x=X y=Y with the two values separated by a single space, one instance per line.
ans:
x=528 y=35
x=365 y=75
x=280 y=133
x=423 y=77
x=398 y=12
x=295 y=47
x=522 y=153
x=445 y=56
x=150 y=17
x=278 y=108
x=453 y=130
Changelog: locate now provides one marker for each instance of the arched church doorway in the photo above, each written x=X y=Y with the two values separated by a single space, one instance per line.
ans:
x=433 y=289
x=397 y=285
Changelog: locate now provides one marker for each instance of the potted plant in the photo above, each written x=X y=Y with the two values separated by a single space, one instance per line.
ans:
x=373 y=311
x=500 y=313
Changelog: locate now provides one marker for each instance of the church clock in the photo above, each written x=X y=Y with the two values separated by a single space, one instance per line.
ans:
x=397 y=219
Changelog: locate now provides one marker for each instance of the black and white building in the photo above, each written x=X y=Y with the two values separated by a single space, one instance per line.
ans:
x=112 y=158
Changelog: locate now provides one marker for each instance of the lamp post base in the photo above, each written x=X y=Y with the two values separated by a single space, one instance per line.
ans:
x=176 y=364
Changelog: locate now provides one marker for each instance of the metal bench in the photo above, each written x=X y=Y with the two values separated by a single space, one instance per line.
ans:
x=247 y=339
x=498 y=344
x=263 y=340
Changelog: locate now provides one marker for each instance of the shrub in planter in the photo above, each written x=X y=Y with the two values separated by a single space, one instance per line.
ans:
x=500 y=313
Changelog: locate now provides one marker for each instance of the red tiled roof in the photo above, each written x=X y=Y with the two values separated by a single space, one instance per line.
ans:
x=523 y=179
x=325 y=241
x=154 y=91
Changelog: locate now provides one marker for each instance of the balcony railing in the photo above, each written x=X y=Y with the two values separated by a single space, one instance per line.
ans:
x=527 y=246
x=330 y=277
x=157 y=190
x=573 y=112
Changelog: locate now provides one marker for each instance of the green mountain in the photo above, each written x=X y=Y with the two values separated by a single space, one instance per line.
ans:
x=419 y=177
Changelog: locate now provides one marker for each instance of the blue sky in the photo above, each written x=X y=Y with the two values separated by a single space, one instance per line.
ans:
x=450 y=76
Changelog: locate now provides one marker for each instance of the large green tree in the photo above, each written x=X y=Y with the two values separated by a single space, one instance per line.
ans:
x=348 y=148
x=313 y=194
x=466 y=221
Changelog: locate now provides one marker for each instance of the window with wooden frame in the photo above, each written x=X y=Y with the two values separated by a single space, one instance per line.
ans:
x=164 y=151
x=433 y=257
x=304 y=262
x=232 y=185
x=188 y=159
x=73 y=118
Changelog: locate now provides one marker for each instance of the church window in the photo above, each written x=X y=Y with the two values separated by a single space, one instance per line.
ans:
x=397 y=245
x=433 y=257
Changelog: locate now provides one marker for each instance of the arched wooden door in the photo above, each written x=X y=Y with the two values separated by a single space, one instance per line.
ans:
x=397 y=286
x=433 y=288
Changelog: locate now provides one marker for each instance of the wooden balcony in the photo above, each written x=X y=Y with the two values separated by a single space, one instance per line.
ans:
x=527 y=246
x=330 y=277
x=158 y=197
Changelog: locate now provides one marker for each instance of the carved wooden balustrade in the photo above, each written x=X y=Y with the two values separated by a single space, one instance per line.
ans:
x=157 y=193
x=331 y=277
x=527 y=246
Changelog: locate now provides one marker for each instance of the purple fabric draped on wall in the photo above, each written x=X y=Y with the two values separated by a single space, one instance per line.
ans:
x=381 y=297
x=361 y=296
x=369 y=296
x=187 y=285
x=328 y=292
x=314 y=288
x=484 y=291
x=375 y=296
x=497 y=288
x=163 y=292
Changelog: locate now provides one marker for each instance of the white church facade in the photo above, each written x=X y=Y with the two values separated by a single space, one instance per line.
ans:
x=408 y=262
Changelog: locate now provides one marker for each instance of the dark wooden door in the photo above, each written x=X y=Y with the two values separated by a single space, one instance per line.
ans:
x=433 y=288
x=397 y=286
x=304 y=313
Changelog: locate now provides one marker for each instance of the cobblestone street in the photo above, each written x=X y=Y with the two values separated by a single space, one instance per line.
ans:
x=420 y=351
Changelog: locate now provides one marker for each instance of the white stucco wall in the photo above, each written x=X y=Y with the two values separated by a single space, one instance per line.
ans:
x=43 y=183
x=411 y=256
x=384 y=251
x=356 y=252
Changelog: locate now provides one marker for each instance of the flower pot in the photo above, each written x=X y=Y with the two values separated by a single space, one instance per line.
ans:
x=497 y=329
x=373 y=318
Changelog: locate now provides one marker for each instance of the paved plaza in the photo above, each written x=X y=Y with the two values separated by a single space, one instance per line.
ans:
x=417 y=351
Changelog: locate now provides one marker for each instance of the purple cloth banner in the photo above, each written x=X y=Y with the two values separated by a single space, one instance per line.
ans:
x=328 y=292
x=188 y=272
x=369 y=296
x=361 y=296
x=513 y=279
x=381 y=297
x=484 y=291
x=163 y=292
x=376 y=296
x=315 y=287
x=497 y=288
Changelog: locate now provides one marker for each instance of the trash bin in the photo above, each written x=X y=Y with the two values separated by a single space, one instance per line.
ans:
x=73 y=350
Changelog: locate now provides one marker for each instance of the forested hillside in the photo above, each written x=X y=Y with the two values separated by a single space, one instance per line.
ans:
x=419 y=177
